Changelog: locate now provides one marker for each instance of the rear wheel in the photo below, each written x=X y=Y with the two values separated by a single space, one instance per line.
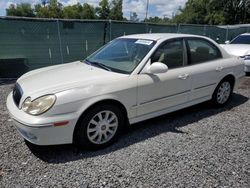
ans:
x=223 y=92
x=99 y=127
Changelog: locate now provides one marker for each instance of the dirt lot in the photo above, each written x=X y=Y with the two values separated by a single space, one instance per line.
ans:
x=196 y=147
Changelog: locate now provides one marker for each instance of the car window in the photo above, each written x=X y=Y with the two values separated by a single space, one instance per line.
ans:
x=122 y=55
x=242 y=39
x=122 y=49
x=170 y=53
x=200 y=50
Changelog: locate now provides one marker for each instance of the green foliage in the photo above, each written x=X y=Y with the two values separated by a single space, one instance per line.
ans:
x=79 y=12
x=158 y=20
x=52 y=10
x=214 y=12
x=88 y=12
x=237 y=11
x=103 y=11
x=23 y=10
x=195 y=11
x=116 y=10
x=72 y=12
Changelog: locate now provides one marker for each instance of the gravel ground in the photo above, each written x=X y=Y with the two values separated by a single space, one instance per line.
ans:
x=197 y=147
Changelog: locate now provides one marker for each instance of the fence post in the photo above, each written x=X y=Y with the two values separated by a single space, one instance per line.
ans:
x=147 y=28
x=205 y=30
x=110 y=30
x=227 y=33
x=104 y=32
x=60 y=41
x=178 y=28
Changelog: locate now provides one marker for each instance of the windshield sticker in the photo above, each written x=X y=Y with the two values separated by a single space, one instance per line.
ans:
x=145 y=42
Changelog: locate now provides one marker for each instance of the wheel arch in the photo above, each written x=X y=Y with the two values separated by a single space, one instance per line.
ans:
x=101 y=102
x=229 y=77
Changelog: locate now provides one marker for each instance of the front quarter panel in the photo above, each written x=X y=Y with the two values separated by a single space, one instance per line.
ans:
x=77 y=100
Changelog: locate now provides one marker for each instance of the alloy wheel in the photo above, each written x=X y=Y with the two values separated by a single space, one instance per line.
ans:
x=224 y=92
x=102 y=127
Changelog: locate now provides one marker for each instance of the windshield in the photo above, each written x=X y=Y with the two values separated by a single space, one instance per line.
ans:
x=242 y=39
x=121 y=55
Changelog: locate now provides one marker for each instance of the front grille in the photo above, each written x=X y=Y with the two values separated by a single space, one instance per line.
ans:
x=17 y=94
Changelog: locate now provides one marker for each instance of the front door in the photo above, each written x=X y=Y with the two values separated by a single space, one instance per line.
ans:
x=158 y=92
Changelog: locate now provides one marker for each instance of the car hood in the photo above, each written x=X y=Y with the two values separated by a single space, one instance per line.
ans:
x=237 y=49
x=63 y=77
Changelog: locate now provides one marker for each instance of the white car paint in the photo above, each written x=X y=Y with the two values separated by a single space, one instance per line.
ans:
x=77 y=86
x=240 y=50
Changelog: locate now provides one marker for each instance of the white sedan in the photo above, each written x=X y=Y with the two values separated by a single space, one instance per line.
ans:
x=240 y=46
x=131 y=79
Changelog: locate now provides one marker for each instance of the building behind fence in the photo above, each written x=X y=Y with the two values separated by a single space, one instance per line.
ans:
x=27 y=44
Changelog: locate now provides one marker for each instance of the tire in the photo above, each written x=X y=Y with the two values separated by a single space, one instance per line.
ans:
x=223 y=92
x=99 y=127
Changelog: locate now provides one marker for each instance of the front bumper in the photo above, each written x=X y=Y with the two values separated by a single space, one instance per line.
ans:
x=40 y=130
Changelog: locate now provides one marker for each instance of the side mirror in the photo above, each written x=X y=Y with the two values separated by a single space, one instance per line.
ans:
x=157 y=67
x=227 y=42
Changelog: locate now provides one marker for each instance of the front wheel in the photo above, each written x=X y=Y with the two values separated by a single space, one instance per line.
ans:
x=222 y=93
x=99 y=127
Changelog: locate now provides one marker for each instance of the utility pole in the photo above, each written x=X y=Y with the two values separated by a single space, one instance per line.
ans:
x=146 y=11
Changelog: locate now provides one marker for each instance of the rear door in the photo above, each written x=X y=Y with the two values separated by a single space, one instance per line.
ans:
x=204 y=63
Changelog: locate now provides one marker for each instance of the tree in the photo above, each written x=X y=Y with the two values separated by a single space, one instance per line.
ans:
x=237 y=11
x=134 y=17
x=73 y=12
x=23 y=10
x=194 y=12
x=41 y=11
x=158 y=20
x=79 y=12
x=103 y=10
x=53 y=9
x=214 y=12
x=88 y=12
x=116 y=10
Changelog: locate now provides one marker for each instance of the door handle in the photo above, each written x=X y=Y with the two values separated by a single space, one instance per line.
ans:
x=183 y=76
x=219 y=68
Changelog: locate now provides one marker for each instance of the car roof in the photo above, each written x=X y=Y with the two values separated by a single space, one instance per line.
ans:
x=158 y=36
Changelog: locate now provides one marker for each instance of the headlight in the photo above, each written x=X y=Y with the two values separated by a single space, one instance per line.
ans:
x=39 y=105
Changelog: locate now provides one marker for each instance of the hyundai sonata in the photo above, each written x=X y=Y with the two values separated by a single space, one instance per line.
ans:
x=131 y=79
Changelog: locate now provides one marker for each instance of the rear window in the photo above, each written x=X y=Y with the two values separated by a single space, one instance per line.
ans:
x=200 y=50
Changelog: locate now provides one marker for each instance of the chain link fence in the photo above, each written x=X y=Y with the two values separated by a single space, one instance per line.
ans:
x=27 y=44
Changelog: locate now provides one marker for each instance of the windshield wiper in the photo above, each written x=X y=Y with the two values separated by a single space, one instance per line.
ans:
x=97 y=64
x=101 y=65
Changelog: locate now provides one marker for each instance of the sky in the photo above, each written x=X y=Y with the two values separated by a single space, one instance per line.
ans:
x=158 y=8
